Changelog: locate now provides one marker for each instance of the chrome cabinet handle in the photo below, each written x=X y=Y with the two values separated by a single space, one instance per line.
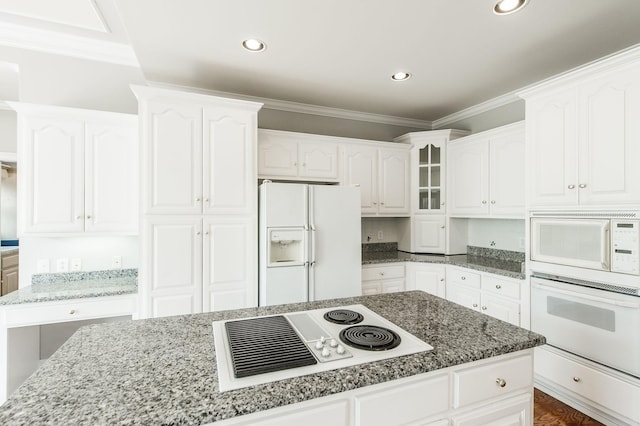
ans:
x=72 y=312
x=501 y=382
x=493 y=201
x=442 y=227
x=442 y=204
x=88 y=216
x=463 y=278
x=484 y=201
x=382 y=204
x=484 y=308
x=576 y=379
x=571 y=186
x=382 y=273
x=198 y=199
x=475 y=305
x=498 y=286
x=441 y=279
x=582 y=185
x=304 y=164
x=206 y=200
x=78 y=217
x=295 y=163
x=198 y=233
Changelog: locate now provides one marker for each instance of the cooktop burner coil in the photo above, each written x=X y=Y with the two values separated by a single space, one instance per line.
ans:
x=370 y=337
x=343 y=316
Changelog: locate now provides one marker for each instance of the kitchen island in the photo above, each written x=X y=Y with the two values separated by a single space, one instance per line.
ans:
x=163 y=370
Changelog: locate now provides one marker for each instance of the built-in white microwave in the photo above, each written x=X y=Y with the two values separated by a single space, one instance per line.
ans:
x=595 y=241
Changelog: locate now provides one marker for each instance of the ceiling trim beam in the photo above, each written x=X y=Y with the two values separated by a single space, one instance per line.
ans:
x=22 y=37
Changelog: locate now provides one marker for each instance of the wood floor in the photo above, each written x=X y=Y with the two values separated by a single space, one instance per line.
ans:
x=548 y=411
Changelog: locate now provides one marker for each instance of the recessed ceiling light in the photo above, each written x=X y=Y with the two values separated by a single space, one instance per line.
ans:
x=254 y=45
x=505 y=7
x=400 y=76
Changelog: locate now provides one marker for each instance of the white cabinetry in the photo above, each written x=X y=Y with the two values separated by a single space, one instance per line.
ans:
x=490 y=294
x=79 y=171
x=199 y=186
x=603 y=393
x=382 y=278
x=21 y=337
x=494 y=391
x=428 y=277
x=297 y=156
x=382 y=173
x=582 y=136
x=485 y=173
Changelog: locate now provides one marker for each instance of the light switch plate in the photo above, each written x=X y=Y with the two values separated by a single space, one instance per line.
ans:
x=43 y=266
x=62 y=265
x=117 y=262
x=76 y=264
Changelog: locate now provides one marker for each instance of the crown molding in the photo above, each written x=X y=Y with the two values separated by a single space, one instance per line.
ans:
x=472 y=111
x=54 y=42
x=301 y=108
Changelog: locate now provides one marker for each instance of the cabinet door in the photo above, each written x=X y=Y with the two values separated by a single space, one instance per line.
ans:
x=609 y=146
x=552 y=150
x=429 y=234
x=318 y=160
x=393 y=286
x=463 y=295
x=9 y=279
x=507 y=183
x=230 y=180
x=503 y=309
x=371 y=287
x=230 y=276
x=394 y=182
x=361 y=169
x=468 y=177
x=277 y=157
x=172 y=157
x=52 y=170
x=111 y=177
x=512 y=412
x=173 y=263
x=429 y=278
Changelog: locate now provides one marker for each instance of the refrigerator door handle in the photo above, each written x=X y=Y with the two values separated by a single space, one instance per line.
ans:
x=313 y=245
x=307 y=274
x=311 y=291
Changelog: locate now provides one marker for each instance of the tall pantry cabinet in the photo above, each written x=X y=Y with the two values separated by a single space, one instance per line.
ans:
x=198 y=203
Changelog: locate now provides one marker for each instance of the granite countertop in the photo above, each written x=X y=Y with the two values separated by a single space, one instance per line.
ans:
x=163 y=370
x=475 y=259
x=9 y=249
x=74 y=285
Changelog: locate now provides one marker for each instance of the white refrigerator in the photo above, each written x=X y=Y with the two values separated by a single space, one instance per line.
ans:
x=309 y=242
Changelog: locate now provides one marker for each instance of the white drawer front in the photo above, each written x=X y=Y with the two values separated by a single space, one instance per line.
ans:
x=471 y=279
x=382 y=272
x=503 y=287
x=492 y=380
x=607 y=391
x=410 y=402
x=70 y=310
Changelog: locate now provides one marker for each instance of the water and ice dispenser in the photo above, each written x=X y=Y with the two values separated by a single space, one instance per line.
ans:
x=286 y=247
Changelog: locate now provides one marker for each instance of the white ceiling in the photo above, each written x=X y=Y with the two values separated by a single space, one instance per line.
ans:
x=340 y=54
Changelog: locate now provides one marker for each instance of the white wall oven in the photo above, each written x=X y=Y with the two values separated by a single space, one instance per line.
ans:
x=585 y=284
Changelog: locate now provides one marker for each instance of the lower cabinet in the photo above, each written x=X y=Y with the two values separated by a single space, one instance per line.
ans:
x=427 y=277
x=490 y=294
x=9 y=275
x=494 y=391
x=30 y=333
x=600 y=392
x=382 y=278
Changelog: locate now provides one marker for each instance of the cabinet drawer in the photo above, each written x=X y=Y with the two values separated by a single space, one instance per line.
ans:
x=411 y=402
x=492 y=380
x=72 y=310
x=9 y=260
x=471 y=279
x=503 y=287
x=383 y=272
x=596 y=386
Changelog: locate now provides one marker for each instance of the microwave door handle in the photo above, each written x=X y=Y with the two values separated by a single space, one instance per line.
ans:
x=606 y=248
x=587 y=296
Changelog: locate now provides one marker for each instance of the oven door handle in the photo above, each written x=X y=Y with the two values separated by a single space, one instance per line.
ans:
x=587 y=296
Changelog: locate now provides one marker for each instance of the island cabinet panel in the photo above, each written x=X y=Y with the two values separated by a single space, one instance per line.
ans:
x=404 y=403
x=199 y=184
x=80 y=171
x=512 y=412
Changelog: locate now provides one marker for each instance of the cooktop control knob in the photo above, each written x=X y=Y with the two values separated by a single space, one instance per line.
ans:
x=340 y=349
x=326 y=352
x=333 y=343
x=323 y=339
x=319 y=344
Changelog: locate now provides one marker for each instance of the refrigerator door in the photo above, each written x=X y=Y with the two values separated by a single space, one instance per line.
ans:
x=284 y=285
x=284 y=204
x=335 y=243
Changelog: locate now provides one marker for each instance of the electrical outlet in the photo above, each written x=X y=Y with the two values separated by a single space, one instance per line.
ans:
x=62 y=265
x=76 y=264
x=117 y=262
x=43 y=266
x=379 y=235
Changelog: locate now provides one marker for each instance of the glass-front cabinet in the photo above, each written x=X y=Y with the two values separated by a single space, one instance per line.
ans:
x=429 y=178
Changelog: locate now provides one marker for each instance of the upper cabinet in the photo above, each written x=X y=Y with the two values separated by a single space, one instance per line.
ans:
x=428 y=168
x=485 y=174
x=583 y=136
x=382 y=173
x=297 y=156
x=79 y=171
